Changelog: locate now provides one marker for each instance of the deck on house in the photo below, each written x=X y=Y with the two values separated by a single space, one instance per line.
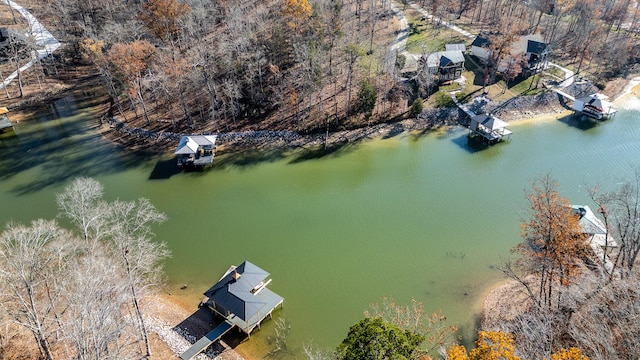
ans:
x=213 y=336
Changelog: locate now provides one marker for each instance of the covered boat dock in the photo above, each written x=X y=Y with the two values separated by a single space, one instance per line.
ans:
x=196 y=150
x=490 y=128
x=240 y=297
x=595 y=106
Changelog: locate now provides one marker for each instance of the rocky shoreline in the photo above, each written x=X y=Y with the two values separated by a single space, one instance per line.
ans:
x=521 y=107
x=263 y=140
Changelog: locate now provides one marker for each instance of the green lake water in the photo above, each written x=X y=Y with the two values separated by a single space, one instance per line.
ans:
x=424 y=217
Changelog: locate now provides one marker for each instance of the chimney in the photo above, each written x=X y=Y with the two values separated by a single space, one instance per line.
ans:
x=236 y=275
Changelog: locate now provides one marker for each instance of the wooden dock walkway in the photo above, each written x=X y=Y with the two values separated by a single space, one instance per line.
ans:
x=461 y=106
x=560 y=92
x=207 y=340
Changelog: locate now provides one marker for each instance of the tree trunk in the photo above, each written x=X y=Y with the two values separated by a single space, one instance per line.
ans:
x=144 y=107
x=143 y=328
x=38 y=333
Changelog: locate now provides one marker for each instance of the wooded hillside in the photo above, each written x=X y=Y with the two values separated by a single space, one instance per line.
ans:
x=303 y=65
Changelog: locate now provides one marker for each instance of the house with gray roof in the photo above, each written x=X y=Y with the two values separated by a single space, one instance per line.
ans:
x=445 y=65
x=241 y=296
x=480 y=47
x=537 y=52
x=449 y=47
x=531 y=47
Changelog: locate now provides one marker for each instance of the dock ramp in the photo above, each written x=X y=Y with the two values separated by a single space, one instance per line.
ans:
x=207 y=340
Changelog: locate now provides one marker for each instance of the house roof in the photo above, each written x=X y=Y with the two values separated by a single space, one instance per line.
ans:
x=461 y=47
x=536 y=47
x=480 y=41
x=522 y=45
x=236 y=292
x=190 y=144
x=489 y=121
x=445 y=58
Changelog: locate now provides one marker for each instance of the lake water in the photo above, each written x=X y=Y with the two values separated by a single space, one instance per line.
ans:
x=410 y=217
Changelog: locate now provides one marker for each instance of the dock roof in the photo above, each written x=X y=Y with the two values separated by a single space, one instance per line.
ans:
x=489 y=121
x=242 y=292
x=589 y=222
x=190 y=144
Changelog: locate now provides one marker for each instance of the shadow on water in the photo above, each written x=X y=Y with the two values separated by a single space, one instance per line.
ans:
x=472 y=144
x=247 y=158
x=336 y=149
x=64 y=143
x=417 y=135
x=579 y=121
x=396 y=130
x=164 y=169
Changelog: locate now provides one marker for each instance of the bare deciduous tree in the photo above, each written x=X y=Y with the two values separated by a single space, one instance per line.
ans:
x=31 y=259
x=131 y=239
x=81 y=202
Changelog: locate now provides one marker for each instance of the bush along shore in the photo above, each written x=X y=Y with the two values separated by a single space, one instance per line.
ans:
x=517 y=108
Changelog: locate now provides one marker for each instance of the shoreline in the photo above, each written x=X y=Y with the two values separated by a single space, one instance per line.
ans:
x=234 y=143
x=166 y=316
x=536 y=108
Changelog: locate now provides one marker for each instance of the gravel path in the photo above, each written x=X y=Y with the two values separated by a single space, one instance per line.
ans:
x=43 y=38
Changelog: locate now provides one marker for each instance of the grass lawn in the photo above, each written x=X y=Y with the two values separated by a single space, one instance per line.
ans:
x=429 y=37
x=554 y=71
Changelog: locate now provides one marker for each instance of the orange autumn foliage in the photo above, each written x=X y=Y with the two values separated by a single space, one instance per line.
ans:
x=162 y=17
x=296 y=12
x=129 y=60
x=569 y=354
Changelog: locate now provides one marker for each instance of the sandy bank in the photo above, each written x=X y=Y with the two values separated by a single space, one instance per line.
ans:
x=171 y=322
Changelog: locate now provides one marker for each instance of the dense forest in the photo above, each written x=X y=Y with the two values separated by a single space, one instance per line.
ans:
x=304 y=65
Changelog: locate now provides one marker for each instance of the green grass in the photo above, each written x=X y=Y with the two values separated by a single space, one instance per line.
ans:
x=522 y=87
x=430 y=38
x=443 y=99
x=554 y=71
x=429 y=41
x=450 y=87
